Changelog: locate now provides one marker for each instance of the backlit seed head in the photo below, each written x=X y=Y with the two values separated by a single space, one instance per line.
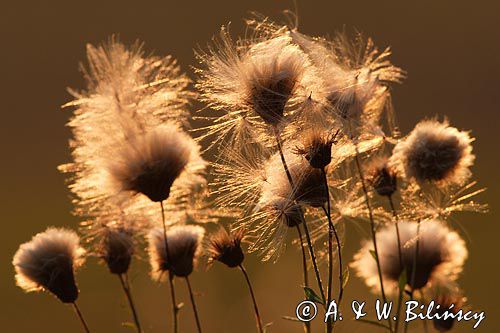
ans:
x=48 y=262
x=317 y=148
x=183 y=250
x=435 y=152
x=226 y=247
x=117 y=248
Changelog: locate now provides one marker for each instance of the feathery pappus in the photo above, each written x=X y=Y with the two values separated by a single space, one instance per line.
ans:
x=441 y=254
x=260 y=81
x=129 y=137
x=48 y=262
x=184 y=249
x=435 y=152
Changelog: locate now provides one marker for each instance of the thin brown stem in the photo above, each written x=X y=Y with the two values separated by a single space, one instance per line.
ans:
x=414 y=269
x=193 y=303
x=332 y=232
x=175 y=307
x=80 y=316
x=372 y=227
x=307 y=324
x=255 y=307
x=308 y=237
x=401 y=288
x=126 y=289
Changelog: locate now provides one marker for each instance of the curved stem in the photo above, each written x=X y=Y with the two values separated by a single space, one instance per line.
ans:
x=308 y=237
x=193 y=303
x=307 y=324
x=126 y=289
x=255 y=307
x=80 y=316
x=372 y=226
x=401 y=288
x=175 y=307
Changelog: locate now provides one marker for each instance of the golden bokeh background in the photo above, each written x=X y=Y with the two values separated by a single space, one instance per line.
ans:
x=450 y=50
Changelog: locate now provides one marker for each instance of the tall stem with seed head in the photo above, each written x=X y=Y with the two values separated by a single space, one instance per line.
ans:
x=372 y=220
x=80 y=316
x=126 y=289
x=255 y=307
x=308 y=237
x=414 y=270
x=332 y=232
x=193 y=303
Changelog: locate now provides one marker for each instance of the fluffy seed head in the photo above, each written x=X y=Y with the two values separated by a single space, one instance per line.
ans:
x=435 y=152
x=226 y=247
x=152 y=162
x=183 y=250
x=383 y=177
x=48 y=261
x=308 y=185
x=116 y=248
x=442 y=253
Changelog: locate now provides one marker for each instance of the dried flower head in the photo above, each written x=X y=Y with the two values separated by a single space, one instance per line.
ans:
x=308 y=184
x=183 y=250
x=226 y=247
x=129 y=135
x=435 y=152
x=317 y=147
x=442 y=253
x=151 y=163
x=382 y=177
x=48 y=262
x=261 y=80
x=116 y=247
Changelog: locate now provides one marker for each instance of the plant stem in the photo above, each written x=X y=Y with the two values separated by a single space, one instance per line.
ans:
x=332 y=232
x=80 y=316
x=256 y=308
x=307 y=324
x=175 y=307
x=372 y=225
x=414 y=270
x=195 y=310
x=401 y=288
x=126 y=288
x=308 y=237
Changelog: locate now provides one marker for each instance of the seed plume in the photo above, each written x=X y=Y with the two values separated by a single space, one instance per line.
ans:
x=48 y=262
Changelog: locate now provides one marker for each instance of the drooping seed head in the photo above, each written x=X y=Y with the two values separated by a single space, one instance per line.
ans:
x=48 y=262
x=435 y=152
x=226 y=247
x=183 y=250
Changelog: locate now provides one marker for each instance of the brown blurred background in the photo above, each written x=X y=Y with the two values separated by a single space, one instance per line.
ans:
x=449 y=48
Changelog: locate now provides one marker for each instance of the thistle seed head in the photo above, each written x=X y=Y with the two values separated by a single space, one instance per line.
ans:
x=226 y=247
x=435 y=152
x=48 y=262
x=183 y=250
